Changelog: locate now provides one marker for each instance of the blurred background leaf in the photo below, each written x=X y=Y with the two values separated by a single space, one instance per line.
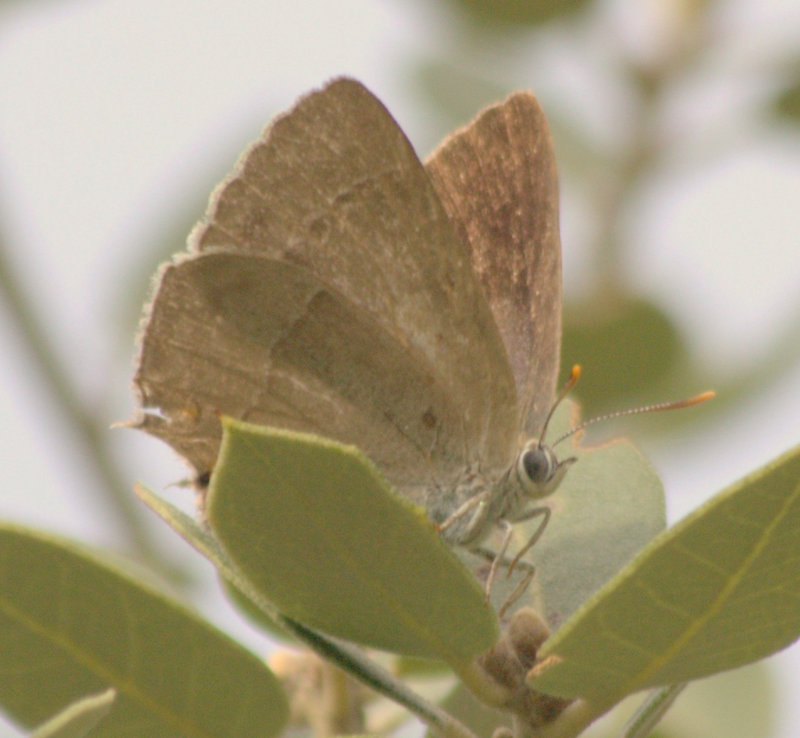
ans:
x=787 y=103
x=737 y=704
x=511 y=13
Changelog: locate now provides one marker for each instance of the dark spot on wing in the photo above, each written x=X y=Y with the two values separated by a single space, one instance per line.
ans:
x=429 y=420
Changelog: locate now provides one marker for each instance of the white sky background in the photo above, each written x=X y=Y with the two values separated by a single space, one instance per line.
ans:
x=113 y=113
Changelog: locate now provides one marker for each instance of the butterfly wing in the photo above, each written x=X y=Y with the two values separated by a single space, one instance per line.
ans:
x=498 y=182
x=330 y=217
x=267 y=341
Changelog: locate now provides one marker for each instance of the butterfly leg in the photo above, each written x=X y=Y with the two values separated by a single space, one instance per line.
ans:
x=542 y=511
x=519 y=590
x=477 y=520
x=500 y=556
x=498 y=559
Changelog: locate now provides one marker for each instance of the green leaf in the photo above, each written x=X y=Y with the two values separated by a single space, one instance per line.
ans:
x=347 y=657
x=260 y=612
x=315 y=528
x=718 y=590
x=70 y=625
x=79 y=718
x=609 y=506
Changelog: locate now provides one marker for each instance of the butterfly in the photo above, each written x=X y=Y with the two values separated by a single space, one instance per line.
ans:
x=339 y=286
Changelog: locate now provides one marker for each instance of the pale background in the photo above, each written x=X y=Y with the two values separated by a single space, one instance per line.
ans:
x=117 y=117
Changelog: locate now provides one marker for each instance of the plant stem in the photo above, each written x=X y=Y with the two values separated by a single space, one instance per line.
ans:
x=652 y=710
x=355 y=662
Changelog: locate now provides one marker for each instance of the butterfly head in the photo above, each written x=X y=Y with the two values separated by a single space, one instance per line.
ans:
x=538 y=467
x=539 y=470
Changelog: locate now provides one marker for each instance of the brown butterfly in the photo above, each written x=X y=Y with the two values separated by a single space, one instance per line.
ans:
x=338 y=286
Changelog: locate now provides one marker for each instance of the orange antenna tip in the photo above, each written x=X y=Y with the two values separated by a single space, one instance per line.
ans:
x=703 y=396
x=574 y=375
x=687 y=402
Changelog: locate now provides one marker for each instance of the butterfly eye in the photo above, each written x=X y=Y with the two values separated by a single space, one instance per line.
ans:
x=536 y=466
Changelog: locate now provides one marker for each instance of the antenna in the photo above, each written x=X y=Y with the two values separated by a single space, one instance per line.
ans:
x=655 y=407
x=574 y=376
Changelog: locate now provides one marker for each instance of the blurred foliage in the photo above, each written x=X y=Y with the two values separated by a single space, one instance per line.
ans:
x=633 y=350
x=787 y=103
x=737 y=704
x=517 y=12
x=626 y=346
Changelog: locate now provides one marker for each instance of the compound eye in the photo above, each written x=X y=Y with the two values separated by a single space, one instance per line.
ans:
x=537 y=465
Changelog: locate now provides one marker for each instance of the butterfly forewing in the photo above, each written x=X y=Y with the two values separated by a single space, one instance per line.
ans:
x=329 y=292
x=497 y=180
x=279 y=346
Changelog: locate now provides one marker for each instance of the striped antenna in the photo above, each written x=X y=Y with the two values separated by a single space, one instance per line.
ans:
x=655 y=407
